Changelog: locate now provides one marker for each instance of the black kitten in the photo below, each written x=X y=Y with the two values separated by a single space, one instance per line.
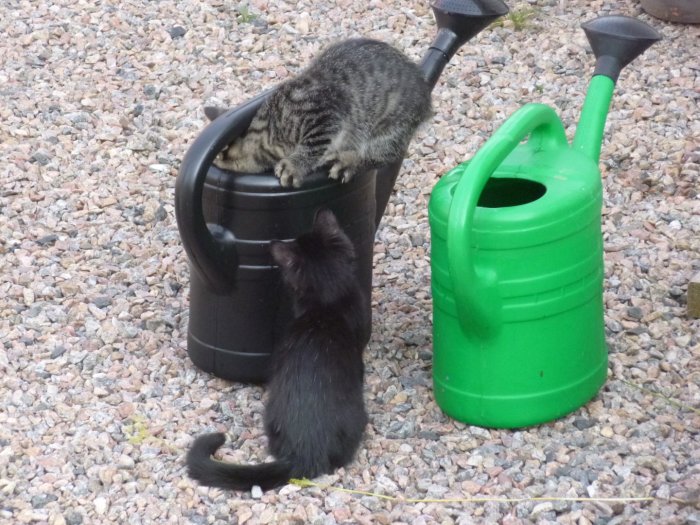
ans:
x=315 y=414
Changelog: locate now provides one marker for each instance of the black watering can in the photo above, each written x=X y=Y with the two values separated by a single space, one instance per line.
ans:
x=227 y=220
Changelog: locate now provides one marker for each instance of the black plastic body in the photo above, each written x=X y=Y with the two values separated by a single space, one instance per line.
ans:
x=238 y=307
x=616 y=41
x=232 y=335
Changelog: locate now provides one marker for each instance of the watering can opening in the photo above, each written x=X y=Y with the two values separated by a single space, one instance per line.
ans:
x=505 y=192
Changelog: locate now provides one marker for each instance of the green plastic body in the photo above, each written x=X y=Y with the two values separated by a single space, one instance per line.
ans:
x=517 y=273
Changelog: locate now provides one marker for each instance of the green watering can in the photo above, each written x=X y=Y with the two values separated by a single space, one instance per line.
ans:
x=517 y=258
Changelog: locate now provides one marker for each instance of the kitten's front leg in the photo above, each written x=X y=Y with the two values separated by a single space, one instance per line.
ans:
x=287 y=173
x=293 y=170
x=344 y=164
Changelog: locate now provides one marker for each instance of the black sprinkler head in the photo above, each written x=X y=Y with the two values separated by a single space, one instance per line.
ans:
x=457 y=21
x=465 y=18
x=616 y=41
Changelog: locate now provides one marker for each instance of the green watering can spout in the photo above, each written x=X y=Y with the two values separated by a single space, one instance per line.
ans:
x=616 y=41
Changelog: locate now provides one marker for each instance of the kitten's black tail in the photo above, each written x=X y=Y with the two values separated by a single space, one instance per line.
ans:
x=213 y=473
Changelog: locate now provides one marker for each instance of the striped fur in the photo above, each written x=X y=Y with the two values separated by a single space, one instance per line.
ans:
x=354 y=108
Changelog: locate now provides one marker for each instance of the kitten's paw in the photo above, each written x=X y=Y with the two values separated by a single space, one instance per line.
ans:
x=288 y=175
x=343 y=164
x=341 y=172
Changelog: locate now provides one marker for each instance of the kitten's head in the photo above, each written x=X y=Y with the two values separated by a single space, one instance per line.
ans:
x=247 y=153
x=319 y=266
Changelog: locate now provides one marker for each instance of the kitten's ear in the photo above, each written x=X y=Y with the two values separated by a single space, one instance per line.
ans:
x=213 y=112
x=325 y=221
x=282 y=253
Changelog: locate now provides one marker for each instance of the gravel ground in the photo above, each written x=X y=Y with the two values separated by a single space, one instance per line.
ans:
x=100 y=101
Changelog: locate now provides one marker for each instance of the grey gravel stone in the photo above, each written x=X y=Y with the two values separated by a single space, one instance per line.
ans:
x=47 y=239
x=102 y=301
x=583 y=423
x=41 y=157
x=177 y=32
x=635 y=312
x=40 y=501
x=73 y=518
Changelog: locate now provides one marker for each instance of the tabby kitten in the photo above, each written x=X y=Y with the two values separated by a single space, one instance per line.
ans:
x=315 y=415
x=354 y=108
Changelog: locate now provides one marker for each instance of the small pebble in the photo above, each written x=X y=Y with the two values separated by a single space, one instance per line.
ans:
x=177 y=32
x=582 y=423
x=607 y=432
x=102 y=301
x=101 y=505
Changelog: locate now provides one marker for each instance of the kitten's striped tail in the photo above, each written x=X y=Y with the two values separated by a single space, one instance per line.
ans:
x=213 y=473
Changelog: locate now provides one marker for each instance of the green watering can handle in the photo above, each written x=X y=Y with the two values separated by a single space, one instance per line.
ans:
x=478 y=303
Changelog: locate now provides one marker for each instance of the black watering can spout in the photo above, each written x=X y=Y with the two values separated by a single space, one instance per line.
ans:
x=458 y=21
x=616 y=41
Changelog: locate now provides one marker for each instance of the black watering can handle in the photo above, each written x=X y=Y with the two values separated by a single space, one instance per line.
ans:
x=210 y=247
